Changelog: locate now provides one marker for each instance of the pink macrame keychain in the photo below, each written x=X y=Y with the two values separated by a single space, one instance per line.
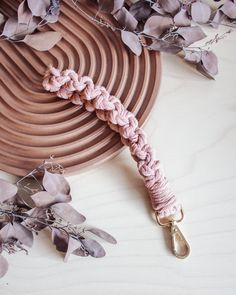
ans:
x=82 y=91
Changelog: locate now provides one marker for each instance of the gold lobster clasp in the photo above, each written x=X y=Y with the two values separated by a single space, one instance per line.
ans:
x=180 y=246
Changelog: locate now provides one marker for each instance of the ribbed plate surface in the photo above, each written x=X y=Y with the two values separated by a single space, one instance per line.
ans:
x=35 y=124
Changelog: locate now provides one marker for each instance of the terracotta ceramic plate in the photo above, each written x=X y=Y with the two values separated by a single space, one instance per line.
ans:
x=35 y=124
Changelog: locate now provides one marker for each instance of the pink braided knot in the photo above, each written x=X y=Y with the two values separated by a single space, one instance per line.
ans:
x=82 y=91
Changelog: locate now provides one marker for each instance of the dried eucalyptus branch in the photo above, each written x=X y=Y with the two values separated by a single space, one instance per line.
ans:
x=170 y=26
x=40 y=201
x=32 y=15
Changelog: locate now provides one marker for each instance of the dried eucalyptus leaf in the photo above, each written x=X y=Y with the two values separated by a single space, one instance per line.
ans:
x=218 y=17
x=24 y=14
x=209 y=63
x=80 y=252
x=26 y=188
x=73 y=244
x=170 y=6
x=67 y=213
x=93 y=247
x=156 y=6
x=51 y=18
x=17 y=231
x=103 y=235
x=39 y=7
x=182 y=19
x=169 y=45
x=10 y=27
x=2 y=19
x=126 y=19
x=60 y=239
x=192 y=56
x=141 y=10
x=43 y=199
x=24 y=235
x=26 y=201
x=200 y=12
x=118 y=4
x=200 y=68
x=7 y=190
x=3 y=219
x=110 y=6
x=157 y=25
x=42 y=41
x=24 y=30
x=132 y=41
x=229 y=9
x=6 y=232
x=37 y=219
x=3 y=266
x=57 y=185
x=191 y=34
x=17 y=31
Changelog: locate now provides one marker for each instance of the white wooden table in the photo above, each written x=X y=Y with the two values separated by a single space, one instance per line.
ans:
x=193 y=128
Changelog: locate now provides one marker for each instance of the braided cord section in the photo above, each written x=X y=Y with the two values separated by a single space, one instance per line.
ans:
x=82 y=91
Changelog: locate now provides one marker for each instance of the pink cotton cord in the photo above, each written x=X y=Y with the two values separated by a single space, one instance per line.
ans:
x=82 y=91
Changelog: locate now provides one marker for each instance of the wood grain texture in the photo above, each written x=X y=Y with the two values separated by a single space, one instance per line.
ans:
x=193 y=128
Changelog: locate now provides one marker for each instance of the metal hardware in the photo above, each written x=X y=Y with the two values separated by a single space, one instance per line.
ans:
x=180 y=246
